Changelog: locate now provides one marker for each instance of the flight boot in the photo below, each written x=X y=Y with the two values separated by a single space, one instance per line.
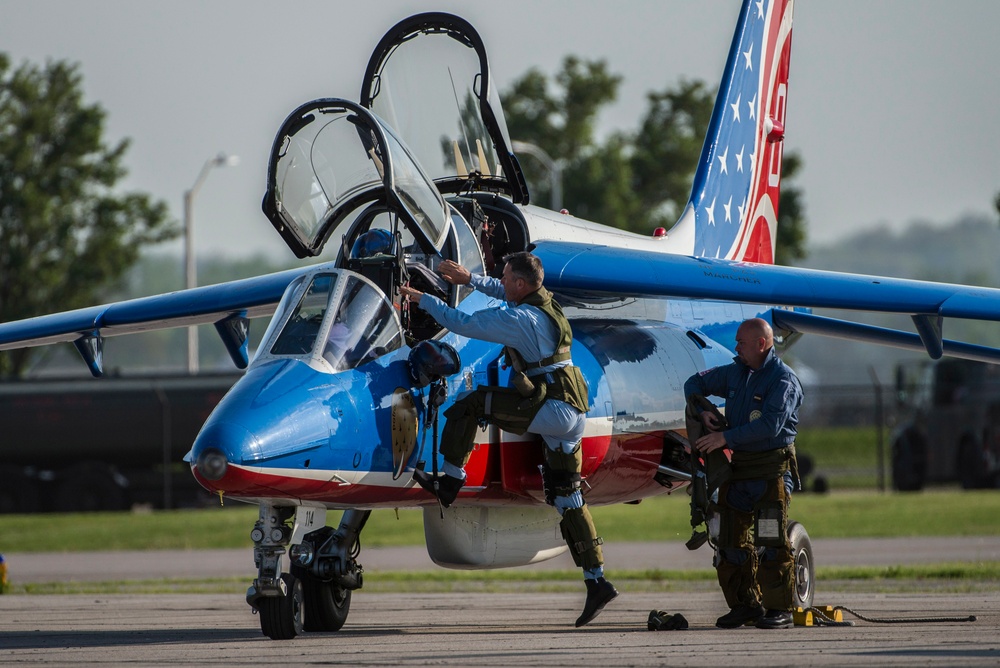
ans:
x=740 y=615
x=444 y=487
x=600 y=592
x=776 y=619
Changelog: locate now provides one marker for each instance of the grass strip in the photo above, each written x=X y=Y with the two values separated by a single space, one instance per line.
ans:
x=940 y=512
x=983 y=576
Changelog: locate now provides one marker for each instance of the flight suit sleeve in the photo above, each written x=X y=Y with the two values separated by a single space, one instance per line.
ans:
x=488 y=286
x=710 y=382
x=496 y=325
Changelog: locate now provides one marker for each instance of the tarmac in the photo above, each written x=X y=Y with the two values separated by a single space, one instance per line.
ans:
x=494 y=629
x=509 y=629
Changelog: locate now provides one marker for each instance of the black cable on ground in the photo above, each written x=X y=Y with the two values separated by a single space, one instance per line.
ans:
x=822 y=619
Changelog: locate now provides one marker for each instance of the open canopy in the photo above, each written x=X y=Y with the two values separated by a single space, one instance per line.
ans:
x=332 y=156
x=429 y=79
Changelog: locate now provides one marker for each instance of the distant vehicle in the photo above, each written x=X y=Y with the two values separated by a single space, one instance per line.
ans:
x=950 y=425
x=80 y=444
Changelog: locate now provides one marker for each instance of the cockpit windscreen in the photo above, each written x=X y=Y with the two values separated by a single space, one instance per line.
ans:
x=341 y=319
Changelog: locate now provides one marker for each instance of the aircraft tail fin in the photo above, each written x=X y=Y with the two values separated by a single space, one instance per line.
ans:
x=732 y=212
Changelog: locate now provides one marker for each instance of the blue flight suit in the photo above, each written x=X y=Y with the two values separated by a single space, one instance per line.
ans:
x=762 y=411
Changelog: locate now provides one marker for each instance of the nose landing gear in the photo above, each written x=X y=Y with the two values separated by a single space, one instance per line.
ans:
x=315 y=595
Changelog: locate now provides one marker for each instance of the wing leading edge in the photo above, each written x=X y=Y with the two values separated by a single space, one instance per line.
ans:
x=600 y=271
x=219 y=304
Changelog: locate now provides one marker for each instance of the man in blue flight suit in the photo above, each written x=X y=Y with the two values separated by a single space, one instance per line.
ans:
x=549 y=398
x=762 y=397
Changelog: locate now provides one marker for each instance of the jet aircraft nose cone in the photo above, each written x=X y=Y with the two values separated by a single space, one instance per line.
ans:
x=218 y=445
x=212 y=464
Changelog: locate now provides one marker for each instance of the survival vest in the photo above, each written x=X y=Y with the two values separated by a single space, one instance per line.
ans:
x=565 y=383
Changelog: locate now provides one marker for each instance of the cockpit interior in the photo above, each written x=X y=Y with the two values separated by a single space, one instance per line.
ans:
x=484 y=229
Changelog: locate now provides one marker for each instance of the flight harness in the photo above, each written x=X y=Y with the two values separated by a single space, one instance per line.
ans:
x=564 y=383
x=436 y=395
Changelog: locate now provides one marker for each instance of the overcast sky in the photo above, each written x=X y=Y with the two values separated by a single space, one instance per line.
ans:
x=893 y=104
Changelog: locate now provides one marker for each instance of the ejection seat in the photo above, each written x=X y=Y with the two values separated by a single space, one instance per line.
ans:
x=377 y=255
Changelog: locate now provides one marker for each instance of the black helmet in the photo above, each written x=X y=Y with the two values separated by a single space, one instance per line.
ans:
x=375 y=241
x=430 y=360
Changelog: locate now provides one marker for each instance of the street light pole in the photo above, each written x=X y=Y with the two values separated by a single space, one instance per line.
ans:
x=190 y=271
x=554 y=168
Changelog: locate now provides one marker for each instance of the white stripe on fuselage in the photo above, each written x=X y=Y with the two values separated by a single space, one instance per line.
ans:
x=597 y=427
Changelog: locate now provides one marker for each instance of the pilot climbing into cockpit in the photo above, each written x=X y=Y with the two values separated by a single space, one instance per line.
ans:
x=549 y=398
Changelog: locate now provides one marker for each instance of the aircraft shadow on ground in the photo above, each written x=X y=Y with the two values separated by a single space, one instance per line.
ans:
x=90 y=638
x=13 y=640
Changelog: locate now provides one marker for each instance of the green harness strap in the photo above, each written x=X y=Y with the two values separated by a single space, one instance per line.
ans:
x=565 y=383
x=766 y=464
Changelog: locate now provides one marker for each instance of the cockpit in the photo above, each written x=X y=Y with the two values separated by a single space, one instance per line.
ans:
x=334 y=320
x=342 y=170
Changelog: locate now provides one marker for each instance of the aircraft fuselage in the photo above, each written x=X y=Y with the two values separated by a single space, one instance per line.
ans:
x=289 y=431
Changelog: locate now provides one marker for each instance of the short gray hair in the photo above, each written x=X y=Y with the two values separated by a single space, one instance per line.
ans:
x=526 y=266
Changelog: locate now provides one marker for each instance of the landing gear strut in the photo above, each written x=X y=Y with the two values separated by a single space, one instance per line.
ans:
x=315 y=595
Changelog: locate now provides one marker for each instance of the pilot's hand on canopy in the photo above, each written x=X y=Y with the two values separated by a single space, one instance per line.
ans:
x=711 y=442
x=411 y=294
x=454 y=273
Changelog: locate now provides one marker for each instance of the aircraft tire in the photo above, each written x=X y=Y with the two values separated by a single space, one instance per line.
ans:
x=281 y=616
x=326 y=604
x=803 y=565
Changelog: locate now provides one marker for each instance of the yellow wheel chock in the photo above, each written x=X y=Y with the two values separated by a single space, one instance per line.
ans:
x=805 y=617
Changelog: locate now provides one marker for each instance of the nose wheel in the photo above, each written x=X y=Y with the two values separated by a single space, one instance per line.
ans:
x=283 y=617
x=326 y=603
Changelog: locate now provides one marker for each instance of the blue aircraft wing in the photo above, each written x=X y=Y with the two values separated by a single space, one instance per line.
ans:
x=598 y=271
x=242 y=299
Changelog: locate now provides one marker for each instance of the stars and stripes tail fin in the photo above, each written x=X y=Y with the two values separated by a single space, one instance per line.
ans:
x=732 y=212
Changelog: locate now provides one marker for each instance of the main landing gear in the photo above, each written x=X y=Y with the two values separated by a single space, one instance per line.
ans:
x=315 y=595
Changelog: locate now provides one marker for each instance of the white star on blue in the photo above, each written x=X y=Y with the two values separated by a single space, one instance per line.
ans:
x=715 y=235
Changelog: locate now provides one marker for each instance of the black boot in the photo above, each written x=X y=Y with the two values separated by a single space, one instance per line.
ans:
x=447 y=486
x=740 y=615
x=776 y=619
x=600 y=592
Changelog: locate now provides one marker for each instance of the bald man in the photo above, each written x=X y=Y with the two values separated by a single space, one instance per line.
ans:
x=762 y=399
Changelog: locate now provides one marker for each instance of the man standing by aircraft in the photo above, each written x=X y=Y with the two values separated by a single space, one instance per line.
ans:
x=763 y=397
x=549 y=398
